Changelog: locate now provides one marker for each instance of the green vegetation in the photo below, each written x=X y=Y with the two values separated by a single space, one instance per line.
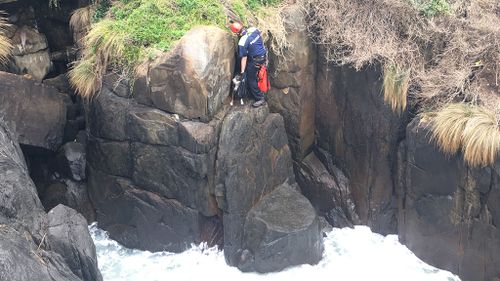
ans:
x=123 y=33
x=5 y=43
x=431 y=8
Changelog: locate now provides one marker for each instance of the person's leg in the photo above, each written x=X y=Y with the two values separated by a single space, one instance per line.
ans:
x=252 y=82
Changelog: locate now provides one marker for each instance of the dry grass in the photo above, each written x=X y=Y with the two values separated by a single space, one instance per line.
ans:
x=85 y=77
x=445 y=53
x=5 y=43
x=81 y=18
x=448 y=125
x=474 y=130
x=271 y=21
x=103 y=45
x=396 y=83
x=481 y=138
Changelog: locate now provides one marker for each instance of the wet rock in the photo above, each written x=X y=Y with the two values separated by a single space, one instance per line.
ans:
x=60 y=82
x=71 y=161
x=293 y=83
x=329 y=194
x=361 y=132
x=111 y=157
x=30 y=53
x=37 y=111
x=68 y=235
x=281 y=230
x=193 y=79
x=447 y=210
x=142 y=219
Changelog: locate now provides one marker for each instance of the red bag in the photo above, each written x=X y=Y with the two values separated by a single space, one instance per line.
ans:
x=262 y=80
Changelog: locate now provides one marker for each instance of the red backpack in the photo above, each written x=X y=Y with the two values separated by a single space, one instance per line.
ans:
x=263 y=80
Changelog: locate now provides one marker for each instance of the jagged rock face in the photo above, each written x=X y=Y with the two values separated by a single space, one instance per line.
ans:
x=193 y=79
x=68 y=235
x=448 y=212
x=274 y=240
x=293 y=84
x=37 y=111
x=329 y=191
x=361 y=132
x=24 y=251
x=30 y=53
x=252 y=160
x=159 y=180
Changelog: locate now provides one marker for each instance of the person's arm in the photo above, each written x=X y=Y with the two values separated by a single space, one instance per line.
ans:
x=243 y=64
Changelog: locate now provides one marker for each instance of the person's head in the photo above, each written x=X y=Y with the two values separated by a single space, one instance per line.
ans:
x=236 y=27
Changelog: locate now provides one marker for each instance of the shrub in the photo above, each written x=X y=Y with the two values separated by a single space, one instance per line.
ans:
x=472 y=128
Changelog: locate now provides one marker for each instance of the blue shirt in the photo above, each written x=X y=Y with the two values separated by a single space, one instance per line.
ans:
x=251 y=44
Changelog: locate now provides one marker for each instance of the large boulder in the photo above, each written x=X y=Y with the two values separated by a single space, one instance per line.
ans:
x=361 y=132
x=193 y=79
x=30 y=53
x=36 y=111
x=293 y=75
x=281 y=230
x=448 y=212
x=252 y=160
x=68 y=235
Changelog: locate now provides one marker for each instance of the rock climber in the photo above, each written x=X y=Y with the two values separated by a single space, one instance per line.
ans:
x=253 y=54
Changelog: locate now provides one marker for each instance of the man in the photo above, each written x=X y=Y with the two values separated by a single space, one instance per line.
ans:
x=252 y=53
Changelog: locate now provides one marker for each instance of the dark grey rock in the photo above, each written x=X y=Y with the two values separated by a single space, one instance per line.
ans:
x=68 y=235
x=253 y=158
x=293 y=82
x=111 y=157
x=281 y=230
x=108 y=116
x=141 y=219
x=117 y=84
x=71 y=194
x=359 y=129
x=22 y=260
x=329 y=194
x=183 y=175
x=152 y=126
x=448 y=211
x=37 y=112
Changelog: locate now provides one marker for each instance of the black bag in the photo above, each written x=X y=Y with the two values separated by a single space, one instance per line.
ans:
x=240 y=91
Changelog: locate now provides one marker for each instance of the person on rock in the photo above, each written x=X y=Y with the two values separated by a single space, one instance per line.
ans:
x=252 y=54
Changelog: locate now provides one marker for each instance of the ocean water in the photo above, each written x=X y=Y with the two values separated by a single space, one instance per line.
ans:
x=350 y=254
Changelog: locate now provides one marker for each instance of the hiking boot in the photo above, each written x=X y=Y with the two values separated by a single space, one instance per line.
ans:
x=259 y=103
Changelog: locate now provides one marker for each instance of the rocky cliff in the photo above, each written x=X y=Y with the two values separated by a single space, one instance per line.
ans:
x=169 y=162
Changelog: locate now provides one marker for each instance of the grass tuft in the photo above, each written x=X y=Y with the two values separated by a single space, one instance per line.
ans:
x=86 y=77
x=396 y=82
x=473 y=129
x=5 y=43
x=81 y=18
x=481 y=139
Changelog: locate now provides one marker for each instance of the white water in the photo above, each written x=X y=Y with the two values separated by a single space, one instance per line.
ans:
x=350 y=254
